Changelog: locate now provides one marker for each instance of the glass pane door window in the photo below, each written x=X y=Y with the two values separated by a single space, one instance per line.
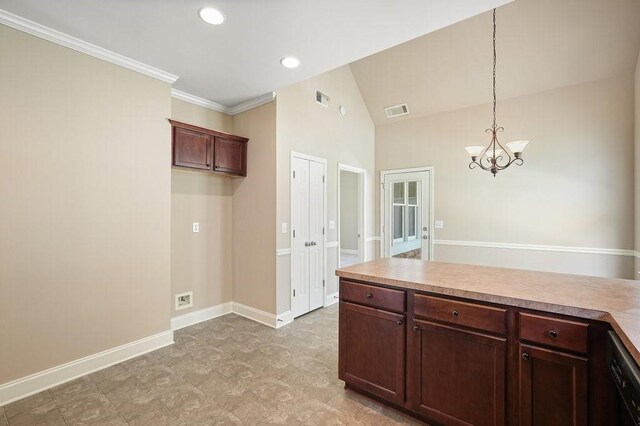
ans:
x=406 y=216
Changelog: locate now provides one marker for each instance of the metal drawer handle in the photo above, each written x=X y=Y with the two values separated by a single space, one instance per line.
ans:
x=369 y=295
x=553 y=334
x=399 y=322
x=525 y=356
x=416 y=328
x=455 y=313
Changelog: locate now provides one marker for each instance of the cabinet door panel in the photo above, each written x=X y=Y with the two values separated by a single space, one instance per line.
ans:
x=191 y=149
x=230 y=156
x=553 y=388
x=458 y=377
x=372 y=350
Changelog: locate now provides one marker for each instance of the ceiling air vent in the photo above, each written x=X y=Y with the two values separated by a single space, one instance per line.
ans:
x=397 y=110
x=322 y=99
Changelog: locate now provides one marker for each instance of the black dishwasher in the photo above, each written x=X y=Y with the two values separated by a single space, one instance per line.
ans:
x=626 y=375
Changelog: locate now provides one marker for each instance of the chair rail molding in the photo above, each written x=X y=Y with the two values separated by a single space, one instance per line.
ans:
x=535 y=247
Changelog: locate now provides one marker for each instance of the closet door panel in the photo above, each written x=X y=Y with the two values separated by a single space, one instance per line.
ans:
x=316 y=235
x=300 y=240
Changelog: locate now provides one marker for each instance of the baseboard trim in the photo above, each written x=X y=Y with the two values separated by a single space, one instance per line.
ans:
x=284 y=319
x=331 y=299
x=563 y=249
x=26 y=386
x=349 y=251
x=254 y=314
x=196 y=317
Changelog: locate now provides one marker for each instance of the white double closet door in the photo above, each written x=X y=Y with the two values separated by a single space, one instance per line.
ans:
x=307 y=225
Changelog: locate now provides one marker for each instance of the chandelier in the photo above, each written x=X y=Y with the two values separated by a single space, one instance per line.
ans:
x=495 y=157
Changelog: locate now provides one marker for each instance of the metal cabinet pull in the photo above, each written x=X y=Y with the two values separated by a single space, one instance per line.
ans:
x=399 y=322
x=369 y=295
x=416 y=328
x=553 y=334
x=455 y=313
x=525 y=356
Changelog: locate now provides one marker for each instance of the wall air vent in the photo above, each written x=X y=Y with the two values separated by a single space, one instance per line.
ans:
x=397 y=110
x=322 y=99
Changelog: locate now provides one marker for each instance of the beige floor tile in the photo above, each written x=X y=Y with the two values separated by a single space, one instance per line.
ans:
x=185 y=400
x=87 y=409
x=158 y=416
x=28 y=403
x=73 y=390
x=3 y=418
x=47 y=414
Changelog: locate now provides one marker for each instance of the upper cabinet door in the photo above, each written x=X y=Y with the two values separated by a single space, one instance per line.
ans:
x=230 y=156
x=192 y=149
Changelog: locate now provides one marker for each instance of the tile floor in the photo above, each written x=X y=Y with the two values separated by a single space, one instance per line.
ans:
x=229 y=370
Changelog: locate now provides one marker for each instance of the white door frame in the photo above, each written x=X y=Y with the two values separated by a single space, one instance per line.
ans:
x=384 y=251
x=324 y=222
x=362 y=208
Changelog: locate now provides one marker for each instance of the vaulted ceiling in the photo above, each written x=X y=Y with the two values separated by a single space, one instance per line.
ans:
x=239 y=60
x=542 y=44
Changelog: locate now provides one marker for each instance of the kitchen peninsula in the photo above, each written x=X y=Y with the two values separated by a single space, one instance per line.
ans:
x=460 y=344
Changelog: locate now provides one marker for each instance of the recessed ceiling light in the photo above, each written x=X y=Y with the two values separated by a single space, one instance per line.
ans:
x=290 y=62
x=211 y=16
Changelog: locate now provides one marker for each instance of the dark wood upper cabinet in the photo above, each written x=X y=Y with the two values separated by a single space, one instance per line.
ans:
x=204 y=149
x=457 y=377
x=553 y=388
x=192 y=149
x=372 y=350
x=230 y=156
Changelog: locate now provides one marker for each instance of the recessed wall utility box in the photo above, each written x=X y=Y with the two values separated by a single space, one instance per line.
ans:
x=322 y=99
x=439 y=224
x=196 y=227
x=184 y=300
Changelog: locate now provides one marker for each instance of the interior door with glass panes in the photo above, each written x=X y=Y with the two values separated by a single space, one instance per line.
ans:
x=406 y=230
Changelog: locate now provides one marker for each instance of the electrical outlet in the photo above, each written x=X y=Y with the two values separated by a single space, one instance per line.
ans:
x=196 y=227
x=184 y=300
x=332 y=224
x=284 y=228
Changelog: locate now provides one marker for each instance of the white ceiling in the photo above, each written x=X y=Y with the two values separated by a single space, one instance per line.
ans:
x=542 y=44
x=239 y=60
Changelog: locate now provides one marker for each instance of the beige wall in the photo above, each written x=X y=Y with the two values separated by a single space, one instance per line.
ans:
x=575 y=189
x=348 y=210
x=85 y=218
x=201 y=262
x=637 y=165
x=254 y=212
x=306 y=127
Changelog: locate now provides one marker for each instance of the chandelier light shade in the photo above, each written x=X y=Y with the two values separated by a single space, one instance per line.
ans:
x=495 y=157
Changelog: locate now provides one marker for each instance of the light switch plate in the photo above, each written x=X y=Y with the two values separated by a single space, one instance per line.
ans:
x=284 y=228
x=332 y=224
x=196 y=227
x=439 y=224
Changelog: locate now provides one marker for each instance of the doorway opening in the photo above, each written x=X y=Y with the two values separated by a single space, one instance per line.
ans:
x=351 y=215
x=406 y=213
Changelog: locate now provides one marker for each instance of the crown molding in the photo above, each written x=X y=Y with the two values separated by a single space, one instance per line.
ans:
x=253 y=103
x=205 y=103
x=238 y=109
x=46 y=33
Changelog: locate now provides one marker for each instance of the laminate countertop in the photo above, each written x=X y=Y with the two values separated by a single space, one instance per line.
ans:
x=611 y=300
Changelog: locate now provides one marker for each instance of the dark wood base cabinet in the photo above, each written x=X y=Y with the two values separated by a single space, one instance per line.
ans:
x=460 y=362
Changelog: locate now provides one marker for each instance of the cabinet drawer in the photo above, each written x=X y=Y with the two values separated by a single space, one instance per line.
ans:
x=461 y=313
x=377 y=297
x=558 y=333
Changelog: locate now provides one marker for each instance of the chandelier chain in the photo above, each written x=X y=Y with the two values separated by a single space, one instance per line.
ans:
x=494 y=69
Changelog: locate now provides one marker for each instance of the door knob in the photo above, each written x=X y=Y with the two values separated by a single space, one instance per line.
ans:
x=313 y=243
x=424 y=228
x=425 y=237
x=307 y=244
